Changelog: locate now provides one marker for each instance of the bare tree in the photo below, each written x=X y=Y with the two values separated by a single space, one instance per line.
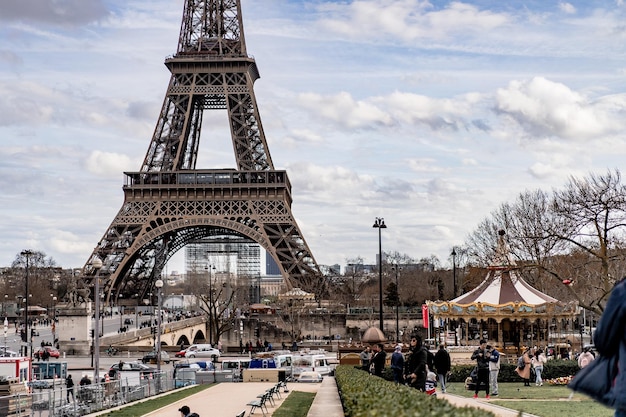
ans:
x=574 y=236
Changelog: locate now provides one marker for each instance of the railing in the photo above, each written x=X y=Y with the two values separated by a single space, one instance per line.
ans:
x=50 y=398
x=207 y=177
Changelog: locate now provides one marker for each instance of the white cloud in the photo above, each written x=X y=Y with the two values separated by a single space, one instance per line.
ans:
x=549 y=109
x=109 y=164
x=567 y=7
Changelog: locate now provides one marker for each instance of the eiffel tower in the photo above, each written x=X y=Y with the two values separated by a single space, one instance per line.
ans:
x=169 y=202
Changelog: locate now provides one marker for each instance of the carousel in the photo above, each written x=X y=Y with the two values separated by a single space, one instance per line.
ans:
x=506 y=310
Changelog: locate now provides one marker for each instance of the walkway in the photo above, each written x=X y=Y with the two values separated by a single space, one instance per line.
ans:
x=229 y=399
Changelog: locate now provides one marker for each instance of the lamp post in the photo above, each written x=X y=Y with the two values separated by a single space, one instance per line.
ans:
x=454 y=286
x=53 y=326
x=96 y=263
x=27 y=254
x=379 y=223
x=397 y=268
x=159 y=284
x=210 y=268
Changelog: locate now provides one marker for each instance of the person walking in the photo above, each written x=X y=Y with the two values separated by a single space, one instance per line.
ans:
x=494 y=369
x=69 y=384
x=378 y=361
x=538 y=361
x=397 y=364
x=415 y=372
x=481 y=357
x=523 y=367
x=442 y=366
x=585 y=357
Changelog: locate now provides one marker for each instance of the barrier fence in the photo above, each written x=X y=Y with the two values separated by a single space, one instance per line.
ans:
x=51 y=398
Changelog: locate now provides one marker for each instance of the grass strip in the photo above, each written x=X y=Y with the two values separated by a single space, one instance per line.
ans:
x=552 y=408
x=146 y=407
x=297 y=404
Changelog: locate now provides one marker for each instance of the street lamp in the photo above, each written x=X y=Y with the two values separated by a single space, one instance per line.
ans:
x=210 y=268
x=159 y=284
x=96 y=263
x=454 y=286
x=397 y=268
x=379 y=223
x=54 y=319
x=27 y=254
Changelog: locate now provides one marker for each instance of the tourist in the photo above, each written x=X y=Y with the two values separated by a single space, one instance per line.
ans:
x=365 y=356
x=397 y=364
x=538 y=361
x=442 y=366
x=523 y=367
x=69 y=384
x=610 y=341
x=585 y=358
x=378 y=360
x=494 y=369
x=85 y=380
x=415 y=372
x=185 y=411
x=481 y=357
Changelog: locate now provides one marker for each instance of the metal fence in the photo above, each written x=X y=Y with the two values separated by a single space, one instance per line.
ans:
x=55 y=400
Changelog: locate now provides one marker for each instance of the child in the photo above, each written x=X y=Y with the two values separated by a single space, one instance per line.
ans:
x=431 y=382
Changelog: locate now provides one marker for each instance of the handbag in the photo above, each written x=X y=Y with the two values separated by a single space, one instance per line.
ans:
x=596 y=379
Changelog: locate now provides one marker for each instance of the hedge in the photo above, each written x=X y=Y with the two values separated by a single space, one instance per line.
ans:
x=554 y=368
x=365 y=395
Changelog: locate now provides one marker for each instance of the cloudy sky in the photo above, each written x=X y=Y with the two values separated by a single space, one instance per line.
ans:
x=429 y=114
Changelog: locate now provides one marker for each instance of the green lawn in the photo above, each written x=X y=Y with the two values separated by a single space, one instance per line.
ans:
x=145 y=407
x=297 y=404
x=544 y=401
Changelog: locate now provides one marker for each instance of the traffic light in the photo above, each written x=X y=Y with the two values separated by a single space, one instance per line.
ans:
x=256 y=332
x=92 y=333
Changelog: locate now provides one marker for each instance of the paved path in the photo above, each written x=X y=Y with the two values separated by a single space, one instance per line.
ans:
x=229 y=399
x=483 y=403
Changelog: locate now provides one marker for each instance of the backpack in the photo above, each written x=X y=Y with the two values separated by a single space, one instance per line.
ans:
x=520 y=363
x=193 y=415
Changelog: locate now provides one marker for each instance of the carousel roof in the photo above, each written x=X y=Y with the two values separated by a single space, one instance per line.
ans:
x=503 y=293
x=502 y=286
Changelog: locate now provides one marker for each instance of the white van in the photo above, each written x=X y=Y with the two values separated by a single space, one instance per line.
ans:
x=311 y=363
x=237 y=366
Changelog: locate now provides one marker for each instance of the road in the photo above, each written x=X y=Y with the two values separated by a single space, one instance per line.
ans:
x=110 y=325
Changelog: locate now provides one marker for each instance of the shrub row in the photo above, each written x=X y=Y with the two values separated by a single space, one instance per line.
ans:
x=364 y=395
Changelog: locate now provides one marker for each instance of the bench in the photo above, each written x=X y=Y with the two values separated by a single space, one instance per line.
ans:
x=260 y=403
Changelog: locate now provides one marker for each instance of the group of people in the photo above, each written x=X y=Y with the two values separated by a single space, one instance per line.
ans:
x=420 y=369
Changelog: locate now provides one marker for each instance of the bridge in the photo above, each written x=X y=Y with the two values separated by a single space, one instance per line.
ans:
x=187 y=331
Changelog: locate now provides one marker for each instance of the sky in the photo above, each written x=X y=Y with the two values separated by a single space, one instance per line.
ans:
x=427 y=114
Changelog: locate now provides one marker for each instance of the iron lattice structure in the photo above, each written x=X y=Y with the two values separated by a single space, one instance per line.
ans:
x=170 y=202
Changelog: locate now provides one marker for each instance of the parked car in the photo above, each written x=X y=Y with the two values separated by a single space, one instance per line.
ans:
x=151 y=357
x=128 y=321
x=39 y=354
x=180 y=353
x=202 y=351
x=134 y=366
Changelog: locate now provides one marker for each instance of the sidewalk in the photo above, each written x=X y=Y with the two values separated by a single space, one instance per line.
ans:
x=482 y=403
x=229 y=399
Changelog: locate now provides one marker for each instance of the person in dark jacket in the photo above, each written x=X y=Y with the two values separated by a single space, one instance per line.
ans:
x=415 y=372
x=378 y=360
x=610 y=340
x=442 y=366
x=397 y=364
x=481 y=356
